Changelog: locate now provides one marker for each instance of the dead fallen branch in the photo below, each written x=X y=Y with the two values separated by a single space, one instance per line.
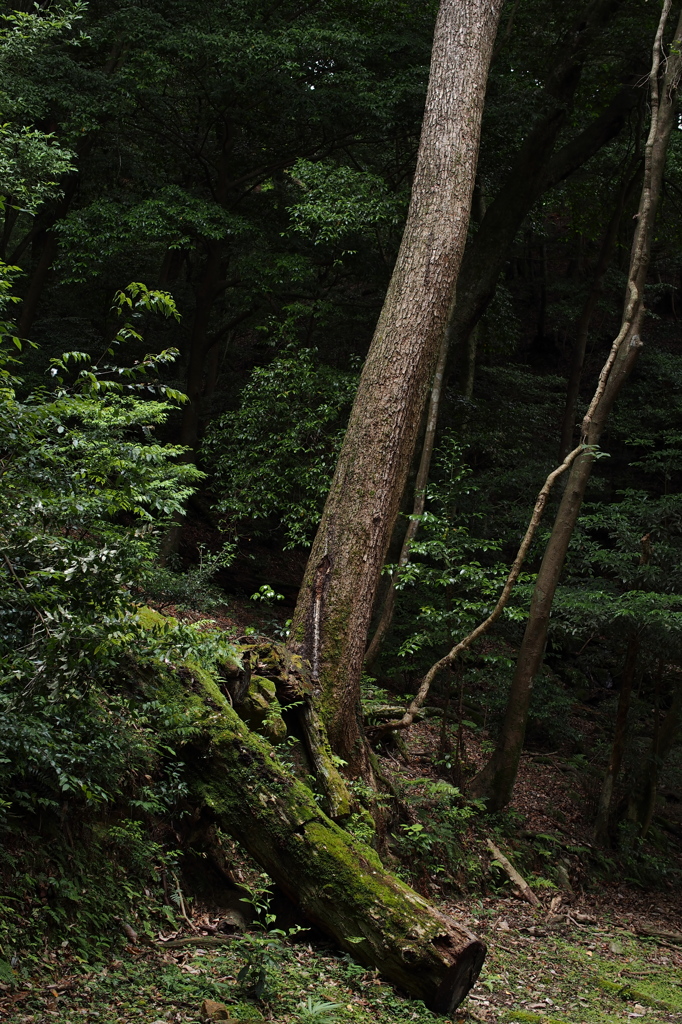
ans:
x=520 y=883
x=657 y=931
x=203 y=941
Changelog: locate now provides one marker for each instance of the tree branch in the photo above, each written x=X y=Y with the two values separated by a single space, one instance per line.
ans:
x=406 y=721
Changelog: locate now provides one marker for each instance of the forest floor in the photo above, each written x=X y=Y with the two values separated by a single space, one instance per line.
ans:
x=591 y=973
x=579 y=958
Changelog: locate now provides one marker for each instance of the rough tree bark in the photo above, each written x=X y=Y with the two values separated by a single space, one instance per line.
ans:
x=335 y=605
x=495 y=781
x=338 y=882
x=421 y=482
x=533 y=173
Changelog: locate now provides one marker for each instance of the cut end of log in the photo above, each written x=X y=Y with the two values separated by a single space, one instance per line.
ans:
x=460 y=978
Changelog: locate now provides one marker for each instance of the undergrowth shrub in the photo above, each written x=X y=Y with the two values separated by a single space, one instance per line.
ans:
x=273 y=458
x=90 y=765
x=71 y=879
x=94 y=789
x=435 y=839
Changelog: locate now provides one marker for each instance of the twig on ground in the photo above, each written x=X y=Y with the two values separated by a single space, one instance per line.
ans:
x=208 y=941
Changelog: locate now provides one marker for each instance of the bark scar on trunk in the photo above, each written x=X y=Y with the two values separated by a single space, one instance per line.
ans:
x=320 y=581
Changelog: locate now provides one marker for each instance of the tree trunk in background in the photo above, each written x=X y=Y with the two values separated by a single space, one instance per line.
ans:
x=50 y=248
x=606 y=251
x=207 y=292
x=601 y=825
x=337 y=597
x=470 y=374
x=643 y=804
x=212 y=284
x=29 y=306
x=533 y=170
x=10 y=220
x=495 y=781
x=48 y=253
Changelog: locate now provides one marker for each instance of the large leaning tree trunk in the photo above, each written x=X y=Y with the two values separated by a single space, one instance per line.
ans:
x=533 y=171
x=335 y=604
x=495 y=781
x=424 y=469
x=338 y=883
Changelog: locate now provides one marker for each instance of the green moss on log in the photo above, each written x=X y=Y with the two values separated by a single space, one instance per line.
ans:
x=260 y=709
x=337 y=880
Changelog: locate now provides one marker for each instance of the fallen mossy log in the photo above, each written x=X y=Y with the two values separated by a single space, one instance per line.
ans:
x=338 y=882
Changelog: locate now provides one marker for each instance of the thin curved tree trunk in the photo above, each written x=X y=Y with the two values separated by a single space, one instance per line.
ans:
x=335 y=604
x=451 y=657
x=495 y=782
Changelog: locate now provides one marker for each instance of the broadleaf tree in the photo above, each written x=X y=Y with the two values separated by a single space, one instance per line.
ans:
x=335 y=605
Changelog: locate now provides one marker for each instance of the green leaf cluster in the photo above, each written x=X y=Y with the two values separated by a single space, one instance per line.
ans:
x=273 y=458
